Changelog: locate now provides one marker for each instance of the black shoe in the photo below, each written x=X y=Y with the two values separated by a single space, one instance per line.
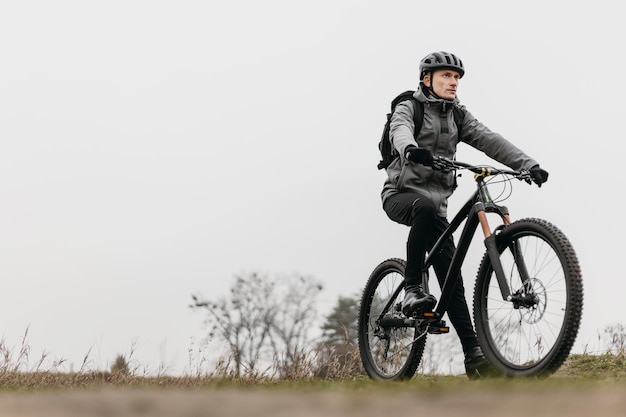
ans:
x=415 y=298
x=476 y=365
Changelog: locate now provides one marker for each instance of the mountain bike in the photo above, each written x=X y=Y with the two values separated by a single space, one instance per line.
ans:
x=528 y=293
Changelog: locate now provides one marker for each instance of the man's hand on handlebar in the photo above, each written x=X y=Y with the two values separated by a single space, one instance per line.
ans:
x=539 y=175
x=419 y=155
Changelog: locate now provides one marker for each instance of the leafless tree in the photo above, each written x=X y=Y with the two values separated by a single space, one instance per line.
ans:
x=264 y=322
x=296 y=315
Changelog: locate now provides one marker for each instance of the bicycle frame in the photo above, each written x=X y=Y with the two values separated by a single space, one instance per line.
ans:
x=474 y=212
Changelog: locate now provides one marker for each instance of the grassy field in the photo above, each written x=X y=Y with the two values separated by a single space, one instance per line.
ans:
x=586 y=384
x=583 y=368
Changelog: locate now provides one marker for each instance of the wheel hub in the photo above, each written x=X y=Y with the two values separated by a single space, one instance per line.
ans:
x=531 y=301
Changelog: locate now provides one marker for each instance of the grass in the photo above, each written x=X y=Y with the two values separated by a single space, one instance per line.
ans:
x=580 y=368
x=606 y=366
x=336 y=369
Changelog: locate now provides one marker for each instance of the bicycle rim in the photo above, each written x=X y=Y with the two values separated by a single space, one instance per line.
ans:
x=531 y=335
x=391 y=352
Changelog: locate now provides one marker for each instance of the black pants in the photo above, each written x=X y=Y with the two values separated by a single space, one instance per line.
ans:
x=420 y=214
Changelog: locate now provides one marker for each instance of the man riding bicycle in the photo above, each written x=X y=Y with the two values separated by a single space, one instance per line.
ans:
x=417 y=196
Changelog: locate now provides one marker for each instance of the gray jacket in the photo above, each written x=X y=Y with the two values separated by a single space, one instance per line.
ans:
x=439 y=134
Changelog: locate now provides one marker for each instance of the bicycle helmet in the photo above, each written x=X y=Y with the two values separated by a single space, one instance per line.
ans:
x=440 y=60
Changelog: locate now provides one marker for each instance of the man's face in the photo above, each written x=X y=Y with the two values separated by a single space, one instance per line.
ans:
x=444 y=82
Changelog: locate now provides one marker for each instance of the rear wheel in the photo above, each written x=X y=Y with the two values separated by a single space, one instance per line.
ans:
x=531 y=334
x=388 y=351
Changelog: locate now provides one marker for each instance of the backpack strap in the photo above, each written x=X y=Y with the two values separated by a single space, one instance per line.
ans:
x=384 y=145
x=459 y=117
x=418 y=116
x=418 y=109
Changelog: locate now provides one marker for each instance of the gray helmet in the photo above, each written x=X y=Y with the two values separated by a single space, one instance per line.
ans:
x=440 y=60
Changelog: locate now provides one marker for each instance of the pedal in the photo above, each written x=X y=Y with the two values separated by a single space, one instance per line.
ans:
x=438 y=327
x=425 y=315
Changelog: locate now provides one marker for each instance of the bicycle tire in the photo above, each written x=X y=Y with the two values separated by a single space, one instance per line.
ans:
x=534 y=338
x=391 y=353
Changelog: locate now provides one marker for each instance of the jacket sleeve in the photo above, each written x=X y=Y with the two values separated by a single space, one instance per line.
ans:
x=493 y=144
x=402 y=127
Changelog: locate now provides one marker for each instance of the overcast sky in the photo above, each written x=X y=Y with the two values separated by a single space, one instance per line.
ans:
x=154 y=149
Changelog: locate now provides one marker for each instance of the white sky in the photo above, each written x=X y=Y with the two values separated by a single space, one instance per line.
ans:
x=154 y=149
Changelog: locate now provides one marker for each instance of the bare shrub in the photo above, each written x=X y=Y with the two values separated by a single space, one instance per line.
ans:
x=616 y=343
x=338 y=362
x=264 y=323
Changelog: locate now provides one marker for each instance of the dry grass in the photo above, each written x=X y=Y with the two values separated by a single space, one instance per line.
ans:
x=585 y=368
x=339 y=364
x=606 y=366
x=19 y=372
x=325 y=382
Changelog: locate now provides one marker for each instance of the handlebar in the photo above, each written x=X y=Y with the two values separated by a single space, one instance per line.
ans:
x=443 y=164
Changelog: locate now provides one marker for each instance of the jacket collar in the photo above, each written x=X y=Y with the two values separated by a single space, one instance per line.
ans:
x=437 y=102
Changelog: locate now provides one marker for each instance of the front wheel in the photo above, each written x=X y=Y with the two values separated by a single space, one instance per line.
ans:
x=389 y=350
x=532 y=333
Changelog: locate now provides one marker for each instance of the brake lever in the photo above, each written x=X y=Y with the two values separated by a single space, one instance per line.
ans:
x=525 y=176
x=442 y=165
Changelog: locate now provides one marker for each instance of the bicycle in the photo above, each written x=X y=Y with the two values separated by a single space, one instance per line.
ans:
x=527 y=301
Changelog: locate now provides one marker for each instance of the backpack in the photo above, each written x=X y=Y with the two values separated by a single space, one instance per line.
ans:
x=387 y=152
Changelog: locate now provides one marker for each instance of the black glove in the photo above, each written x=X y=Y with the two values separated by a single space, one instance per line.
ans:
x=420 y=155
x=539 y=175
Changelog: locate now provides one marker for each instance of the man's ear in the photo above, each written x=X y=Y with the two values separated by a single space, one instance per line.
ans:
x=426 y=80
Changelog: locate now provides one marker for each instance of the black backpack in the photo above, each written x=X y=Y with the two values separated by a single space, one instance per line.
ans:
x=387 y=152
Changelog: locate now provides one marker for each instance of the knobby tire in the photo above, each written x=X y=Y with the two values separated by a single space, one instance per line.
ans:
x=532 y=336
x=392 y=353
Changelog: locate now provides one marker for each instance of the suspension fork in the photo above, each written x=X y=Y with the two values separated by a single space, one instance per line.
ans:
x=492 y=248
x=516 y=250
x=494 y=255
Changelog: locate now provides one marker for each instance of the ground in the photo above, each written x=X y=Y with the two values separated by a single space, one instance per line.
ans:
x=466 y=399
x=585 y=386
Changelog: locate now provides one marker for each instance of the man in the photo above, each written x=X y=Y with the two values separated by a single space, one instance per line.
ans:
x=417 y=196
